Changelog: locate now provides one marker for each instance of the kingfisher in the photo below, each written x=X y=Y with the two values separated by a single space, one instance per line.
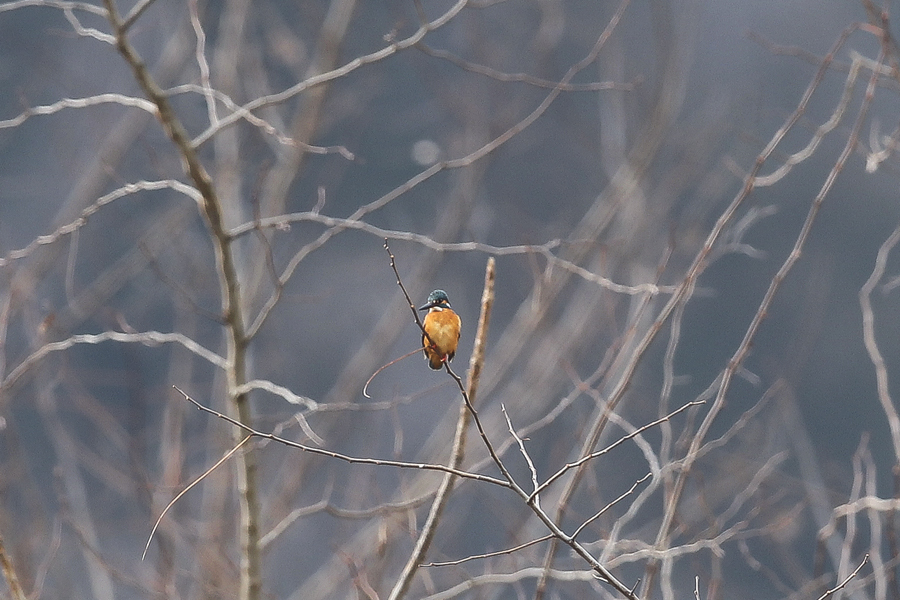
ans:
x=442 y=326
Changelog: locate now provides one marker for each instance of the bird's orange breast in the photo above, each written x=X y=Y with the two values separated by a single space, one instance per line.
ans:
x=443 y=328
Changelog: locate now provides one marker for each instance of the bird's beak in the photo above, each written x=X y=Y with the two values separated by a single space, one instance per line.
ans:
x=427 y=306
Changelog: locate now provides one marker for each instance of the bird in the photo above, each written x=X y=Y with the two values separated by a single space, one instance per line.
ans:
x=442 y=326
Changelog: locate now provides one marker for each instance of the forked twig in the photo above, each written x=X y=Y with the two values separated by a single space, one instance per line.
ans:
x=606 y=508
x=543 y=538
x=565 y=468
x=525 y=455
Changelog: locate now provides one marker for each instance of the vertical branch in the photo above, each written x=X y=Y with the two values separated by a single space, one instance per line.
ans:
x=236 y=365
x=476 y=362
x=12 y=580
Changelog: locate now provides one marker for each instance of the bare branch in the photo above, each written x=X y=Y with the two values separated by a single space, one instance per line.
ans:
x=69 y=228
x=146 y=338
x=846 y=580
x=338 y=455
x=60 y=105
x=221 y=461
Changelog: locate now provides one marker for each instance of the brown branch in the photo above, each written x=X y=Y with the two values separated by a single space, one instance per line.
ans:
x=251 y=578
x=9 y=572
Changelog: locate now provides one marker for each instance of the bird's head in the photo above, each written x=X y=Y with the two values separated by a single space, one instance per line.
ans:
x=437 y=299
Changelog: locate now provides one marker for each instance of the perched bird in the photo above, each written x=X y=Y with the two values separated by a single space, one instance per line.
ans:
x=442 y=326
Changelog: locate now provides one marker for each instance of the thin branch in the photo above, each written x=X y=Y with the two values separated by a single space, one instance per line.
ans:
x=459 y=590
x=343 y=513
x=146 y=338
x=365 y=390
x=612 y=446
x=606 y=508
x=136 y=11
x=865 y=503
x=219 y=462
x=523 y=77
x=200 y=57
x=821 y=131
x=459 y=561
x=81 y=221
x=338 y=455
x=278 y=390
x=645 y=551
x=525 y=455
x=320 y=78
x=257 y=121
x=843 y=583
x=59 y=105
x=89 y=32
x=61 y=4
x=283 y=221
